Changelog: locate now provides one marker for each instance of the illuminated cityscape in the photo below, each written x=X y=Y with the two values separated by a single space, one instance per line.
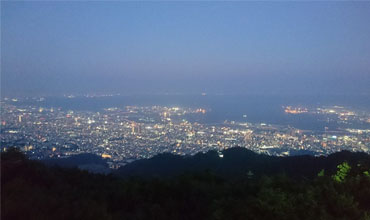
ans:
x=122 y=135
x=185 y=110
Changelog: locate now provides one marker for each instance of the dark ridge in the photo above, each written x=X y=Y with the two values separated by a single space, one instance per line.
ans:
x=237 y=162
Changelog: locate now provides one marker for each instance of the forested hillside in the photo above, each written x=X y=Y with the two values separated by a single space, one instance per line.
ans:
x=31 y=190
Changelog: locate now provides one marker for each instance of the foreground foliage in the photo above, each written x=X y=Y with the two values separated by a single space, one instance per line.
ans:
x=30 y=190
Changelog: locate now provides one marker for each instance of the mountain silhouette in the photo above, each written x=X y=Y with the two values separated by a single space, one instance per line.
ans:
x=238 y=162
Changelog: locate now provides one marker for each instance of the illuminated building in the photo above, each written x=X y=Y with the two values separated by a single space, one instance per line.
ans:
x=106 y=156
x=291 y=110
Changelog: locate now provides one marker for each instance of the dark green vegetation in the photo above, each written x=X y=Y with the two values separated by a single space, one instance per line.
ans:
x=31 y=190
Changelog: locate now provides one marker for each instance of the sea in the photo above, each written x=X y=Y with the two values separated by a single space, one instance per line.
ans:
x=267 y=109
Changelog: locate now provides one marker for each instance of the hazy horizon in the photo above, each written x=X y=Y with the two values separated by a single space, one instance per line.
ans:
x=185 y=47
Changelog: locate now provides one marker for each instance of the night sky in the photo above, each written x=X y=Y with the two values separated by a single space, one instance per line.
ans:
x=185 y=47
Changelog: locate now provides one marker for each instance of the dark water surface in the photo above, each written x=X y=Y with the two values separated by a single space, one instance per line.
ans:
x=258 y=108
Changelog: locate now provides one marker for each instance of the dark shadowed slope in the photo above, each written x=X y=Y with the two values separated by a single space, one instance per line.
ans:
x=238 y=162
x=89 y=162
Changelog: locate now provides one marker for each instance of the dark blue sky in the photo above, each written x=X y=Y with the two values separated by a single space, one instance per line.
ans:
x=185 y=47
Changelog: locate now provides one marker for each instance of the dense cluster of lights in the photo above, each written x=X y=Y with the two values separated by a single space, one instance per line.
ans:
x=123 y=135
